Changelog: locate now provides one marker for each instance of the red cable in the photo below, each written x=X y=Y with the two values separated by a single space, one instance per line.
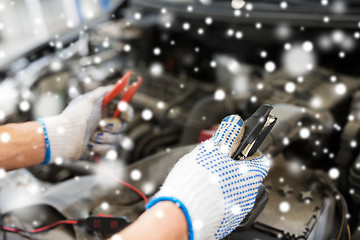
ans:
x=41 y=229
x=120 y=181
x=55 y=224
x=74 y=222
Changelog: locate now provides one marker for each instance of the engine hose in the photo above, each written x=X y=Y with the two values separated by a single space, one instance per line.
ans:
x=203 y=115
x=287 y=126
x=344 y=232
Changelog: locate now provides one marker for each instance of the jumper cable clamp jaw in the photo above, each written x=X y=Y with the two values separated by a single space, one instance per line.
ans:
x=257 y=127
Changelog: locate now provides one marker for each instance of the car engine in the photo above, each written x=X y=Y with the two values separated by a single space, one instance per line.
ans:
x=198 y=67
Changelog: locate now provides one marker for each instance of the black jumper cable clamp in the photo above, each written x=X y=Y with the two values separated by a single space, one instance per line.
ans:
x=257 y=127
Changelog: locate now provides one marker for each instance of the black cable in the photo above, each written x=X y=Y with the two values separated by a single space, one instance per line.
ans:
x=21 y=232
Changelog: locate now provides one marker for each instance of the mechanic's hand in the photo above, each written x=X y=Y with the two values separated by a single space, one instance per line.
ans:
x=214 y=191
x=69 y=132
x=110 y=132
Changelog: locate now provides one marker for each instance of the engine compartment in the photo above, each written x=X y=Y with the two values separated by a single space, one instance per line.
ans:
x=191 y=82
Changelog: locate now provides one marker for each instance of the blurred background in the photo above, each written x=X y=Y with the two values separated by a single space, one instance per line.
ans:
x=24 y=24
x=201 y=60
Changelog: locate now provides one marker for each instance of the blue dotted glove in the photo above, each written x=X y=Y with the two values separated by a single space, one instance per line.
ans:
x=214 y=191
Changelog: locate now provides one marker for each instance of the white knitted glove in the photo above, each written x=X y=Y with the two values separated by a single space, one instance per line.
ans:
x=69 y=132
x=110 y=132
x=214 y=191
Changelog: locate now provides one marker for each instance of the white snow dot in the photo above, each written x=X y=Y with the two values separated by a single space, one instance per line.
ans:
x=324 y=2
x=270 y=66
x=316 y=102
x=186 y=26
x=156 y=69
x=198 y=225
x=284 y=206
x=2 y=173
x=237 y=13
x=286 y=141
x=116 y=237
x=334 y=173
x=219 y=94
x=111 y=154
x=351 y=191
x=126 y=143
x=135 y=174
x=338 y=36
x=147 y=114
x=97 y=60
x=60 y=130
x=351 y=117
x=70 y=23
x=260 y=86
x=168 y=24
x=249 y=7
x=263 y=54
x=283 y=5
x=148 y=188
x=230 y=32
x=160 y=105
x=238 y=34
x=127 y=48
x=123 y=106
x=340 y=89
x=189 y=8
x=258 y=25
x=208 y=20
x=333 y=78
x=326 y=19
x=244 y=169
x=213 y=64
x=104 y=205
x=287 y=46
x=236 y=210
x=342 y=54
x=106 y=44
x=59 y=44
x=159 y=214
x=308 y=46
x=58 y=160
x=24 y=106
x=253 y=99
x=353 y=144
x=157 y=51
x=200 y=31
x=290 y=87
x=304 y=133
x=163 y=10
x=357 y=35
x=5 y=137
x=137 y=16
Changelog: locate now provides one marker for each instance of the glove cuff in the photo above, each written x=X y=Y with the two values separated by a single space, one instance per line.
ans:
x=47 y=143
x=199 y=191
x=181 y=206
x=61 y=132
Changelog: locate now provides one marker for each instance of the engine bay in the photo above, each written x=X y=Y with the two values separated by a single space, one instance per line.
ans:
x=193 y=78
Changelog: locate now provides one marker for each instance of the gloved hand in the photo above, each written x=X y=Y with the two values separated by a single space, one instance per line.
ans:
x=214 y=191
x=69 y=132
x=110 y=132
